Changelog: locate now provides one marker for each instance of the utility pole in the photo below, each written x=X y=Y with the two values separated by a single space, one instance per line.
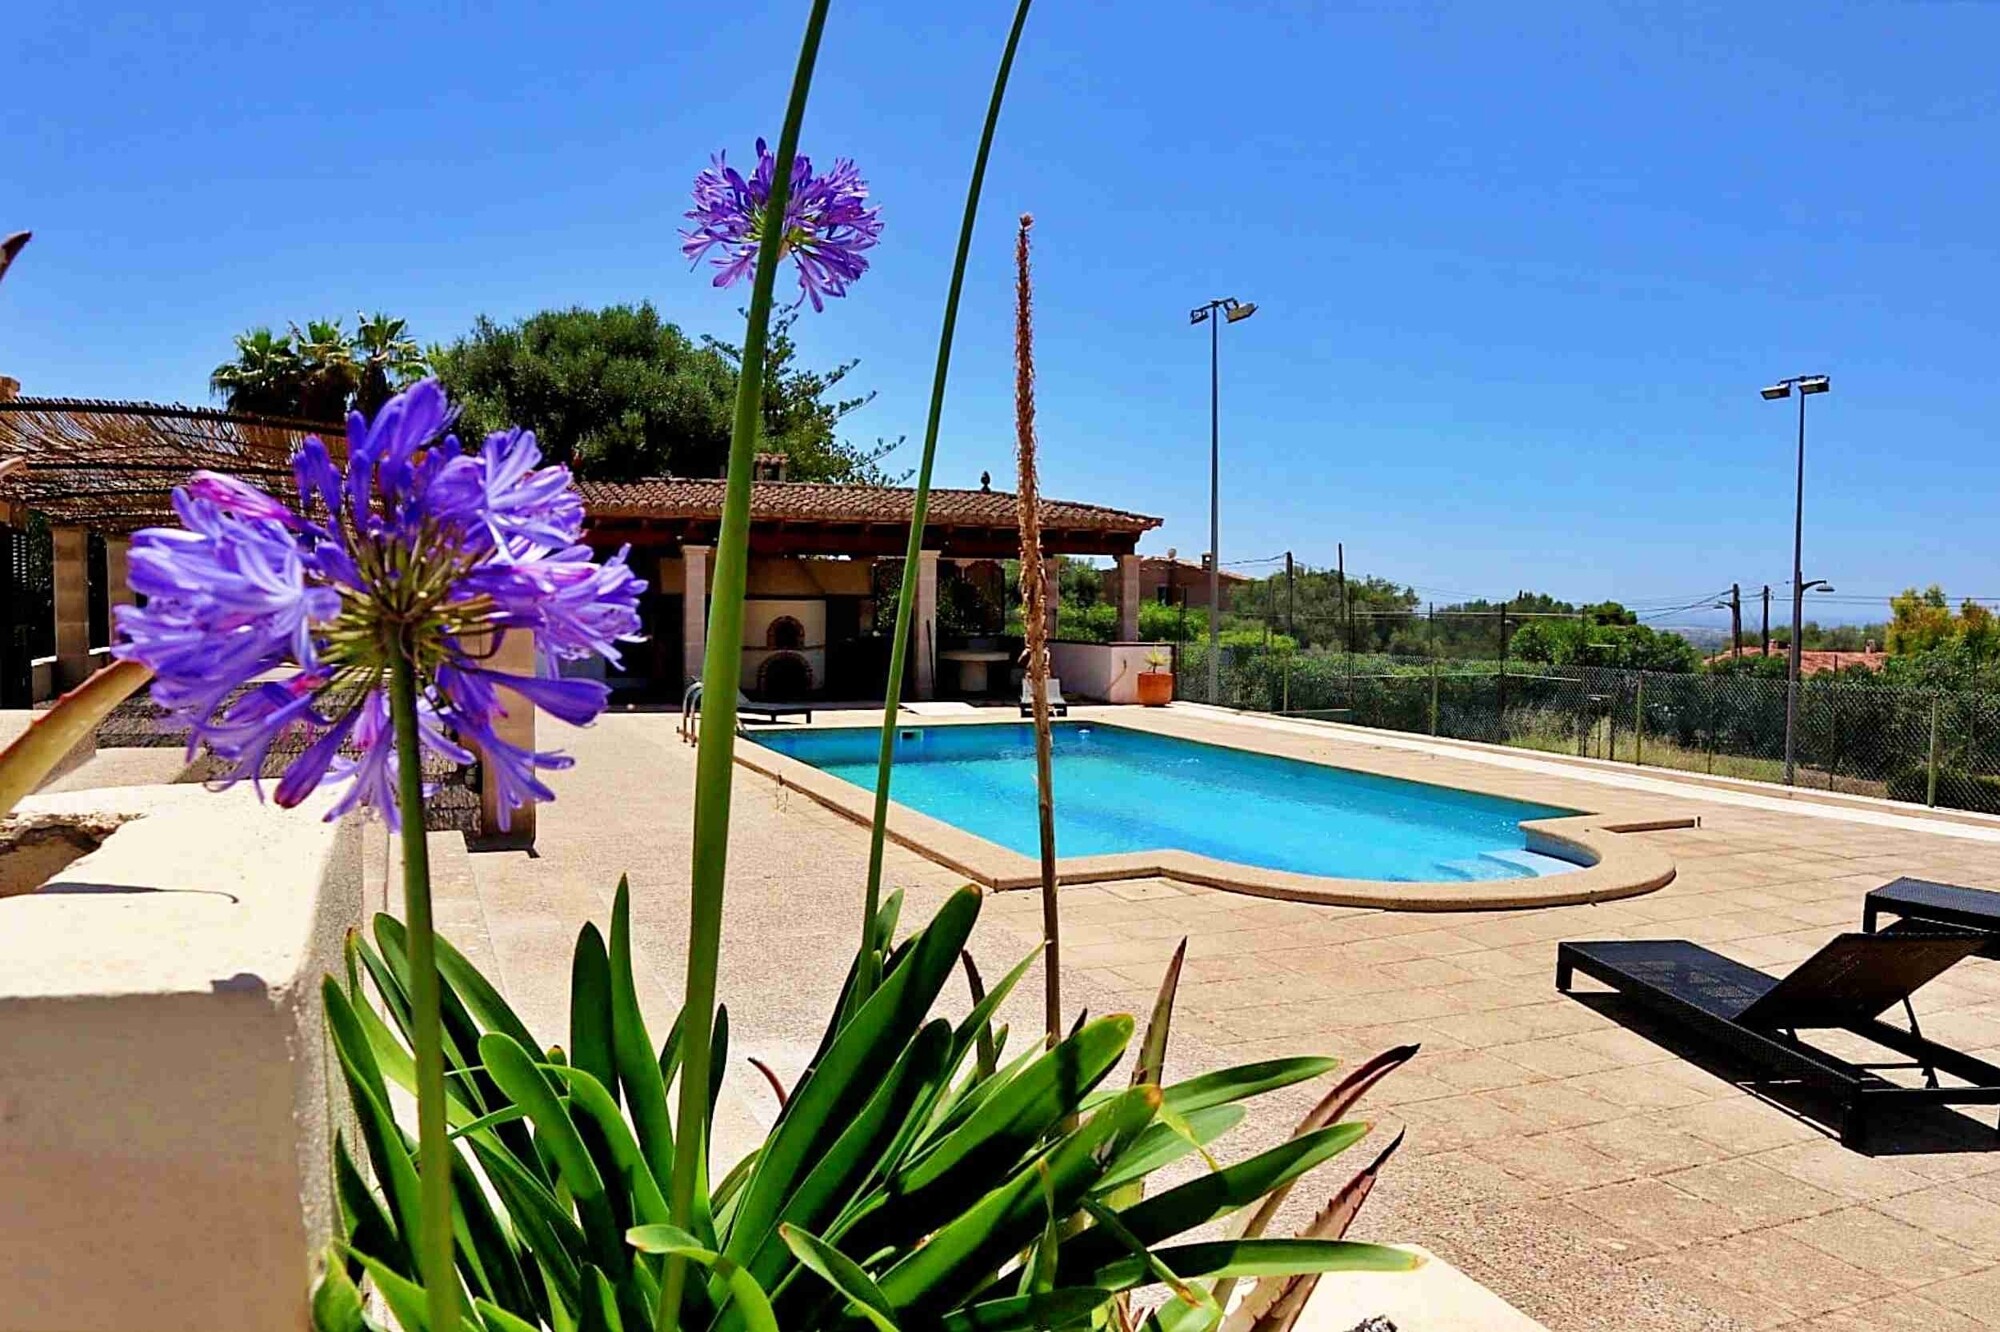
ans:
x=1346 y=625
x=1291 y=601
x=1503 y=670
x=1735 y=620
x=1767 y=619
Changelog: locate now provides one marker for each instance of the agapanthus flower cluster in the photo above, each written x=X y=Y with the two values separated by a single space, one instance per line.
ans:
x=265 y=620
x=828 y=223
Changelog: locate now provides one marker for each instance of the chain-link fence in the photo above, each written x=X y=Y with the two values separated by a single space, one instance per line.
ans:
x=1924 y=746
x=451 y=805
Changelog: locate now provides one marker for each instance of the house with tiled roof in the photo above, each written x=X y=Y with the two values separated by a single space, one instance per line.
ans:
x=825 y=559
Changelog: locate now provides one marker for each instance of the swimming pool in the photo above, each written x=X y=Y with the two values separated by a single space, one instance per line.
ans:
x=1120 y=790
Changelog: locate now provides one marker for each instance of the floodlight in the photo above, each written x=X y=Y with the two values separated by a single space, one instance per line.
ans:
x=1814 y=384
x=1236 y=314
x=1199 y=315
x=1777 y=391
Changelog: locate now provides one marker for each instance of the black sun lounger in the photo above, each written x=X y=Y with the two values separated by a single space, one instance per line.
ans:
x=1845 y=986
x=1921 y=904
x=770 y=712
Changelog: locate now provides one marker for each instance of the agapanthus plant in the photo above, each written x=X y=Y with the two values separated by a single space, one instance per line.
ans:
x=363 y=620
x=828 y=223
x=266 y=620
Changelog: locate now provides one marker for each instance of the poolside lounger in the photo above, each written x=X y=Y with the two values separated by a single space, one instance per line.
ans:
x=770 y=712
x=1919 y=903
x=1845 y=986
x=1058 y=706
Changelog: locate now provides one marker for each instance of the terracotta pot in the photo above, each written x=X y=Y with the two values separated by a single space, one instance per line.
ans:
x=1156 y=688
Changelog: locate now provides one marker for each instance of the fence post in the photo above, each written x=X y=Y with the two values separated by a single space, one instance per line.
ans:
x=1712 y=691
x=1639 y=723
x=1434 y=666
x=1930 y=784
x=1286 y=686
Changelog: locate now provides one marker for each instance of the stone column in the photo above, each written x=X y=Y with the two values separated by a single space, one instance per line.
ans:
x=926 y=628
x=1128 y=598
x=514 y=656
x=118 y=568
x=72 y=589
x=694 y=611
x=1051 y=594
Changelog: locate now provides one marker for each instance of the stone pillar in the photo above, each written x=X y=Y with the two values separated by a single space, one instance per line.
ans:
x=72 y=589
x=118 y=568
x=1051 y=594
x=514 y=656
x=1128 y=598
x=926 y=629
x=694 y=611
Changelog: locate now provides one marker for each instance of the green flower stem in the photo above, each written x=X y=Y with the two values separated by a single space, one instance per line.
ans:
x=721 y=673
x=435 y=1261
x=906 y=595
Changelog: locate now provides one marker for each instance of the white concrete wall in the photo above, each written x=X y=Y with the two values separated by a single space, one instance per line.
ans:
x=1107 y=672
x=170 y=1100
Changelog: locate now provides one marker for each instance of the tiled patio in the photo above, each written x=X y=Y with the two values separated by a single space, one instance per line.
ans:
x=1596 y=1177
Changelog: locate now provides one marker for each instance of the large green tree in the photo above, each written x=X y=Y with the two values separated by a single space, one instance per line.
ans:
x=620 y=393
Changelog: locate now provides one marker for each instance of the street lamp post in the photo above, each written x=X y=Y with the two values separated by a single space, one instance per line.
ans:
x=1807 y=385
x=1235 y=312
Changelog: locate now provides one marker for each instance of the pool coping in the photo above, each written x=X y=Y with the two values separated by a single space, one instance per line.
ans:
x=1613 y=866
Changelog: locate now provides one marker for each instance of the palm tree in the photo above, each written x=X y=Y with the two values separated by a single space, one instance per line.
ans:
x=264 y=378
x=388 y=359
x=328 y=375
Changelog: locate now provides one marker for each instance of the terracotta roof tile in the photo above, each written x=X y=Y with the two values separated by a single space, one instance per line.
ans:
x=828 y=502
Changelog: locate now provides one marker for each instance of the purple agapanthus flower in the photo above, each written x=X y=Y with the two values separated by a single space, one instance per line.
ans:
x=828 y=223
x=265 y=621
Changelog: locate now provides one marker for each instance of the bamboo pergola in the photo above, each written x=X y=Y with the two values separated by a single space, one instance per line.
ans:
x=110 y=466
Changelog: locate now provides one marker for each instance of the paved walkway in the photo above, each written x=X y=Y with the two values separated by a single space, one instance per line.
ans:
x=1597 y=1179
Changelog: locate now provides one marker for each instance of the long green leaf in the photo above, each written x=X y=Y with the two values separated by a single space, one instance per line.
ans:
x=906 y=592
x=518 y=1075
x=1267 y=1257
x=1063 y=1308
x=649 y=1204
x=858 y=1155
x=977 y=1027
x=404 y=1297
x=1020 y=1112
x=590 y=1009
x=1244 y=1081
x=747 y=1296
x=638 y=1070
x=1206 y=1197
x=1164 y=1143
x=336 y=1301
x=368 y=1226
x=843 y=1274
x=549 y=1230
x=965 y=1253
x=857 y=1060
x=499 y=1320
x=394 y=1170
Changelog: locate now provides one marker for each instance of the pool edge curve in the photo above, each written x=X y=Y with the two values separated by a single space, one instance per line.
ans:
x=1611 y=865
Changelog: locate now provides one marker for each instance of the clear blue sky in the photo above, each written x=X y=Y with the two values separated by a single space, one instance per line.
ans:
x=1521 y=269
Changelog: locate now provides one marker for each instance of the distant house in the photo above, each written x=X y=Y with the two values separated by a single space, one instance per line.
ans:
x=1176 y=582
x=1812 y=661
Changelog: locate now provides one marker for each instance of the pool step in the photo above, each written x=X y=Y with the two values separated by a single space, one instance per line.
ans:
x=1491 y=865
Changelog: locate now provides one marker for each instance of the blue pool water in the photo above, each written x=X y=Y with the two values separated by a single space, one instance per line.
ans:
x=1124 y=790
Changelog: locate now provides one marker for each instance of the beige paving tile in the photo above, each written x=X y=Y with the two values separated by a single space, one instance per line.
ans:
x=1893 y=1250
x=1742 y=1124
x=1557 y=1163
x=1756 y=1194
x=1827 y=1164
x=1954 y=1214
x=1773 y=1268
x=1650 y=1146
x=1897 y=1313
x=1662 y=1215
x=1977 y=1296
